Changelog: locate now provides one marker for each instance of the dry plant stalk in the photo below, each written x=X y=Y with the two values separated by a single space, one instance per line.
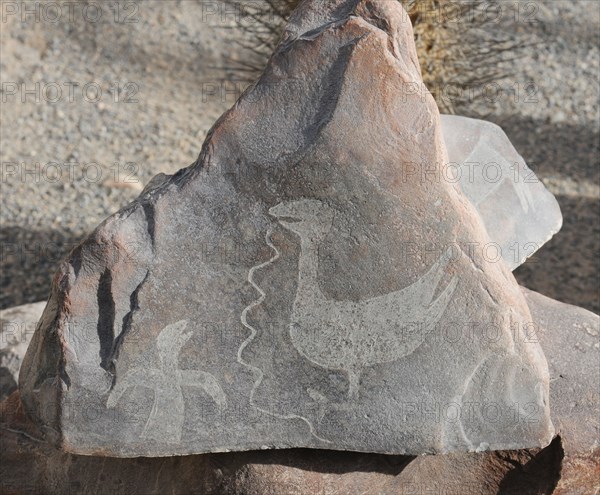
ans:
x=459 y=46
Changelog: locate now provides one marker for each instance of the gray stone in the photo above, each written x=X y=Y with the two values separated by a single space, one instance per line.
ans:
x=17 y=326
x=296 y=287
x=568 y=466
x=519 y=213
x=570 y=337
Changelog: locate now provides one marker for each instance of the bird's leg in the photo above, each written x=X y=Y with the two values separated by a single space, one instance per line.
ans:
x=354 y=379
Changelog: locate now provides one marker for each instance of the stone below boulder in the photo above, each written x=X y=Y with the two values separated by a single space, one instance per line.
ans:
x=296 y=287
x=570 y=337
x=17 y=326
x=568 y=466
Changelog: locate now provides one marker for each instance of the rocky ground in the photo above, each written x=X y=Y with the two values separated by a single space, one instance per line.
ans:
x=99 y=97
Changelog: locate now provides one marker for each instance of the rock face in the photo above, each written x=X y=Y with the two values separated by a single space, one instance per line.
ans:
x=296 y=286
x=519 y=213
x=568 y=466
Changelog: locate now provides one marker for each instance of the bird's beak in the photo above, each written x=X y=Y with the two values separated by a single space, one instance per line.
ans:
x=278 y=211
x=283 y=215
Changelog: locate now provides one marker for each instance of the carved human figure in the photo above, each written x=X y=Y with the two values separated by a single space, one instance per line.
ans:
x=168 y=410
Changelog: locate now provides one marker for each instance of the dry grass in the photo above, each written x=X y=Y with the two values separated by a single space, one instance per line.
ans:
x=459 y=46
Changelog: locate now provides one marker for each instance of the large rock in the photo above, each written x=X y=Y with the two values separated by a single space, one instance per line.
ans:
x=568 y=466
x=519 y=213
x=296 y=287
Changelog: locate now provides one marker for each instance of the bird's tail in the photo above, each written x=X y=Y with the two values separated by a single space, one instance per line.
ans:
x=431 y=280
x=436 y=308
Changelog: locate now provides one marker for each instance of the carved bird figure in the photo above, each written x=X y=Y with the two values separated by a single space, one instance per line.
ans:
x=348 y=335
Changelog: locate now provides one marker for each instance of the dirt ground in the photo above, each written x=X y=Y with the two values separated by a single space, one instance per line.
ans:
x=98 y=97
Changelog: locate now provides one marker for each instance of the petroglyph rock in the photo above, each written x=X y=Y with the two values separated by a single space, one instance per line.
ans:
x=519 y=213
x=295 y=287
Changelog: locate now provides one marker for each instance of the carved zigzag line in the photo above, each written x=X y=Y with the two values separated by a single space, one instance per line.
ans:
x=244 y=318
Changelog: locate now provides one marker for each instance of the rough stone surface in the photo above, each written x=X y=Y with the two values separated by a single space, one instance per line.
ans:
x=570 y=337
x=519 y=213
x=296 y=287
x=568 y=466
x=17 y=326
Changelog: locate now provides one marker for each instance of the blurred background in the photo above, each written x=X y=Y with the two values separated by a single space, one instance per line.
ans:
x=98 y=97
